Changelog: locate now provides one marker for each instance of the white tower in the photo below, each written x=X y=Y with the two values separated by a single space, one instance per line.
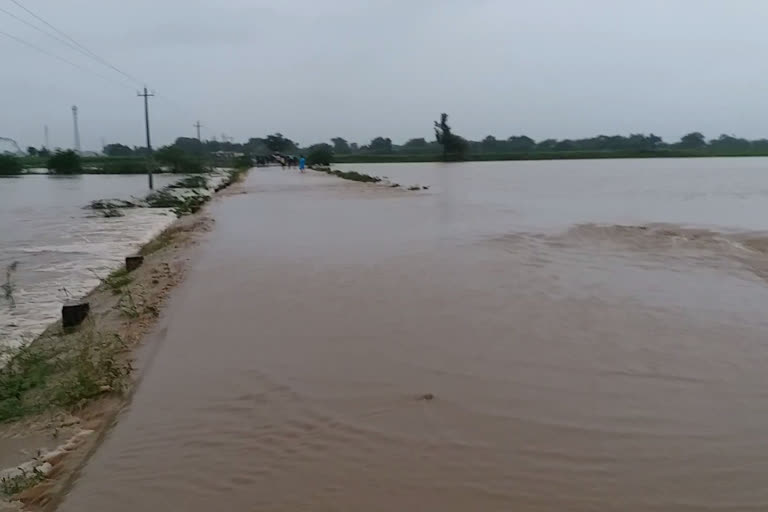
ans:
x=77 y=129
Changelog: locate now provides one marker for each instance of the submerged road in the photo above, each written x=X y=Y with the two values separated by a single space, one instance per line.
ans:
x=289 y=371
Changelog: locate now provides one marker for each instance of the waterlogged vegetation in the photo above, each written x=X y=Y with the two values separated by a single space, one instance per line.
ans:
x=361 y=177
x=349 y=175
x=184 y=197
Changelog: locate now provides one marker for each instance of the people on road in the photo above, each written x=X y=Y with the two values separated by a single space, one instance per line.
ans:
x=302 y=163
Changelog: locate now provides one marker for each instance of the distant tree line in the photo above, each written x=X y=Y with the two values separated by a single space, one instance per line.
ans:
x=450 y=146
x=187 y=154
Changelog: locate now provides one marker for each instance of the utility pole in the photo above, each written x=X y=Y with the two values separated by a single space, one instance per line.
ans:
x=77 y=129
x=146 y=95
x=45 y=131
x=198 y=126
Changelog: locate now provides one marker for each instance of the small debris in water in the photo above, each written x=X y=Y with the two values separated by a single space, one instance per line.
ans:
x=427 y=396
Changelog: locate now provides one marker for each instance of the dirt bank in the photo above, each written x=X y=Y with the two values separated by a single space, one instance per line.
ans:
x=61 y=393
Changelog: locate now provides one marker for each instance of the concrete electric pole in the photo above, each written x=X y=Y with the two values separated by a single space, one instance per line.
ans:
x=146 y=95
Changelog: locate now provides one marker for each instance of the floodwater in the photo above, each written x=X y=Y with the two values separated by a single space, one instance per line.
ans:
x=592 y=334
x=59 y=250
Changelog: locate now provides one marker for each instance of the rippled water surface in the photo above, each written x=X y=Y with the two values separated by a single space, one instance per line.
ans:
x=593 y=335
x=58 y=247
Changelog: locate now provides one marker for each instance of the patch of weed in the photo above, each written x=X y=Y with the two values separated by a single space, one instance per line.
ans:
x=93 y=369
x=13 y=485
x=27 y=370
x=160 y=241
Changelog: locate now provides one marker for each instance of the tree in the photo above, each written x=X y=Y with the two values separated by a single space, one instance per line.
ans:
x=65 y=162
x=257 y=146
x=279 y=144
x=189 y=145
x=117 y=150
x=490 y=144
x=354 y=147
x=320 y=154
x=32 y=151
x=454 y=146
x=694 y=140
x=520 y=143
x=340 y=146
x=414 y=146
x=420 y=142
x=380 y=145
x=178 y=160
x=565 y=145
x=729 y=143
x=547 y=145
x=44 y=152
x=10 y=165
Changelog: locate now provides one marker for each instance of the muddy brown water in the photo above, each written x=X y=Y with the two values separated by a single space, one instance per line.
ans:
x=581 y=357
x=58 y=249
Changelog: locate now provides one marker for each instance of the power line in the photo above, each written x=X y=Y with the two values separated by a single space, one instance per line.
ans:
x=57 y=38
x=62 y=59
x=82 y=48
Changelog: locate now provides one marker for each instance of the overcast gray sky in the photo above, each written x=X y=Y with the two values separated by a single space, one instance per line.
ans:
x=315 y=69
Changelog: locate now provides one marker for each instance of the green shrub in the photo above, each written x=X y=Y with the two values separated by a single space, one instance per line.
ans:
x=65 y=162
x=10 y=165
x=124 y=166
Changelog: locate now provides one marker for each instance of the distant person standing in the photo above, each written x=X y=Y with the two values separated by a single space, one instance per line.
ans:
x=302 y=163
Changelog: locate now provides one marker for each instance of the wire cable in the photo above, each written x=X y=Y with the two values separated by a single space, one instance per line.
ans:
x=62 y=59
x=82 y=48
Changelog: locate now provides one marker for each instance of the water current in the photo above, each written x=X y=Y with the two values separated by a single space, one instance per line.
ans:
x=529 y=336
x=57 y=249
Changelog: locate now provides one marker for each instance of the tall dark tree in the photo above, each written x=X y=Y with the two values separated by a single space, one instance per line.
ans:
x=340 y=146
x=694 y=140
x=454 y=146
x=32 y=151
x=380 y=145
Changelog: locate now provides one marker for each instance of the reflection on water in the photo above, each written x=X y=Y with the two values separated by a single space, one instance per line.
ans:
x=581 y=356
x=60 y=248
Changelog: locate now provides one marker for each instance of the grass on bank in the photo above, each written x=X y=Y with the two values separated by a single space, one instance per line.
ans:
x=116 y=280
x=61 y=371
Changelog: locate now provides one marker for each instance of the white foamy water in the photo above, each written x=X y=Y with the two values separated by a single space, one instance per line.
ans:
x=59 y=247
